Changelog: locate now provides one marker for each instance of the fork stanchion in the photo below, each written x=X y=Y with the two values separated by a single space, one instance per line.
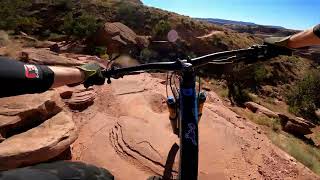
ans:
x=202 y=97
x=171 y=103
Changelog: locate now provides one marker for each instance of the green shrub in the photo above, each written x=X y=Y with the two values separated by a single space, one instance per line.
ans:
x=237 y=93
x=146 y=55
x=85 y=25
x=130 y=15
x=81 y=26
x=26 y=24
x=263 y=120
x=68 y=23
x=99 y=50
x=304 y=98
x=56 y=37
x=260 y=73
x=161 y=29
x=64 y=4
x=20 y=23
x=13 y=17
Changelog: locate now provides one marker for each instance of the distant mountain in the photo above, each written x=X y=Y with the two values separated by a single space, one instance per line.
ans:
x=223 y=21
x=231 y=22
x=251 y=28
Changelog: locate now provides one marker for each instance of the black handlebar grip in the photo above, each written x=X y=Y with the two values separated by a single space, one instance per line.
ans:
x=274 y=51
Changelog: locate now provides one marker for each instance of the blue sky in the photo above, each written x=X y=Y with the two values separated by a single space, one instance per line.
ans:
x=294 y=14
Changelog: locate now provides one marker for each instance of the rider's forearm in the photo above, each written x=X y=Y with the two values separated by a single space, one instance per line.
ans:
x=305 y=38
x=18 y=78
x=66 y=75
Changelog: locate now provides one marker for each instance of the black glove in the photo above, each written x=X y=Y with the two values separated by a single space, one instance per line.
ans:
x=93 y=74
x=277 y=41
x=278 y=46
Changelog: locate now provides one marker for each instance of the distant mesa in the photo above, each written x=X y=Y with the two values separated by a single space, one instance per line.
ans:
x=231 y=22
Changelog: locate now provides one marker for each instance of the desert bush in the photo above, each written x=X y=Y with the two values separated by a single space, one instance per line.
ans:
x=99 y=51
x=304 y=97
x=304 y=153
x=4 y=38
x=19 y=23
x=237 y=92
x=81 y=26
x=26 y=24
x=260 y=73
x=13 y=17
x=272 y=123
x=85 y=25
x=241 y=95
x=146 y=55
x=161 y=29
x=65 y=5
x=131 y=15
x=56 y=37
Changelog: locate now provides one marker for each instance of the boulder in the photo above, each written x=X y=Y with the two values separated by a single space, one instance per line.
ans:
x=25 y=110
x=46 y=57
x=118 y=38
x=256 y=108
x=55 y=48
x=297 y=126
x=33 y=129
x=314 y=137
x=79 y=99
x=77 y=47
x=38 y=144
x=45 y=44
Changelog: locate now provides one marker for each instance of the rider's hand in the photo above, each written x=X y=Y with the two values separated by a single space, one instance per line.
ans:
x=92 y=74
x=277 y=41
x=278 y=46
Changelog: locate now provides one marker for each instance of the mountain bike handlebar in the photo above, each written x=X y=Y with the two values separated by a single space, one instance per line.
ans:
x=253 y=52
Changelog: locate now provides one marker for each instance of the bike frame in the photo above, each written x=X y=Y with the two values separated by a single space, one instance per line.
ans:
x=188 y=126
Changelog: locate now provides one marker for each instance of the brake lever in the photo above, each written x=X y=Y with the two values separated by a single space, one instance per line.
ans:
x=254 y=52
x=266 y=51
x=110 y=74
x=274 y=51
